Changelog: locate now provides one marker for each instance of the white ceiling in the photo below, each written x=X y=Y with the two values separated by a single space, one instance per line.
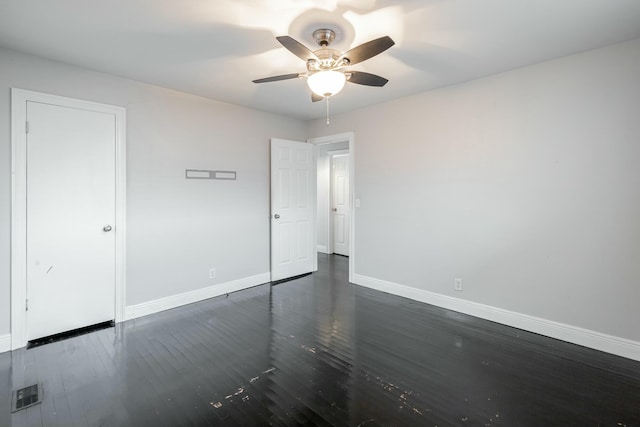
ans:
x=214 y=48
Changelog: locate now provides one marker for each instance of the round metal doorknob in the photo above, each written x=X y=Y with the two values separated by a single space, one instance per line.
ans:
x=335 y=209
x=106 y=228
x=276 y=216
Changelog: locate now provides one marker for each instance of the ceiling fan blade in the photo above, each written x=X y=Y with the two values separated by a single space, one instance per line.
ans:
x=366 y=79
x=277 y=78
x=367 y=50
x=297 y=48
x=315 y=97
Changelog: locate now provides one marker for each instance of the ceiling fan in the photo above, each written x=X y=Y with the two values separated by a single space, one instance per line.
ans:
x=327 y=68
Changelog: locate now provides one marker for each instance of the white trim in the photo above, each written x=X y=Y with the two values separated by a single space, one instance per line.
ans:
x=584 y=337
x=173 y=301
x=18 y=219
x=330 y=139
x=315 y=207
x=351 y=137
x=5 y=343
x=121 y=215
x=322 y=248
x=19 y=98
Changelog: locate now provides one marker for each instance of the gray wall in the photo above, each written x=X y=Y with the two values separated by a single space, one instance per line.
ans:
x=525 y=184
x=177 y=229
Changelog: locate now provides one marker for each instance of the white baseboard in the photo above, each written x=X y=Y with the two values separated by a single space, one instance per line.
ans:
x=323 y=249
x=584 y=337
x=173 y=301
x=5 y=343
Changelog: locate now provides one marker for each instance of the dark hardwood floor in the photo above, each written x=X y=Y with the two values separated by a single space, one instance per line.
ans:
x=318 y=351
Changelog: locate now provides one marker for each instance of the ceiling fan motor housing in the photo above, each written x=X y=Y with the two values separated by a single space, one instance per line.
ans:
x=328 y=60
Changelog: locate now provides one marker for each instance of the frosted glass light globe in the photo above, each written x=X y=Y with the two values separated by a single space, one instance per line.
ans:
x=326 y=83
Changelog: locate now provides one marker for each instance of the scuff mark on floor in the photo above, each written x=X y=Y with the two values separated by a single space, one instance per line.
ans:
x=403 y=396
x=309 y=349
x=240 y=391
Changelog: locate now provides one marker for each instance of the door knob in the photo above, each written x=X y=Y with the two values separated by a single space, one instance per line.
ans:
x=276 y=216
x=335 y=209
x=106 y=228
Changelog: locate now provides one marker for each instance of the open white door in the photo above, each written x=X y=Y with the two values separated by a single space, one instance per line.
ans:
x=292 y=208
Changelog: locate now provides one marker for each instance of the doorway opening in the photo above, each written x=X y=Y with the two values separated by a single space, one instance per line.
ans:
x=335 y=195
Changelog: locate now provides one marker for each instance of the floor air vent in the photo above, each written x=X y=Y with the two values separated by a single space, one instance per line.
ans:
x=26 y=397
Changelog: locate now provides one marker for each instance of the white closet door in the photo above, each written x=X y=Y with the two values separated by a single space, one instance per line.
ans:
x=70 y=218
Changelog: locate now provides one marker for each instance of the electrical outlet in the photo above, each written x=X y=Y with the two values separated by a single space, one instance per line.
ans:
x=212 y=273
x=457 y=285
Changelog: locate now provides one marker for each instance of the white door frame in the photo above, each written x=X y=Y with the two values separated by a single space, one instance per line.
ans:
x=330 y=139
x=19 y=98
x=330 y=232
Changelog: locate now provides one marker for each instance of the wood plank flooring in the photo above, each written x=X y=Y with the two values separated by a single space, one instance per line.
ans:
x=318 y=351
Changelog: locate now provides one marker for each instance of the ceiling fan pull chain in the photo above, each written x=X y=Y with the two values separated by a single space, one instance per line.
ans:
x=327 y=98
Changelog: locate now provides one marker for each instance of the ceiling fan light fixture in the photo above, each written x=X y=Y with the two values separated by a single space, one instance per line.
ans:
x=326 y=83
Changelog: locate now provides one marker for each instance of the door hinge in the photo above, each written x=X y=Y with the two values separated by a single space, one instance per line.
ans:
x=26 y=127
x=26 y=304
